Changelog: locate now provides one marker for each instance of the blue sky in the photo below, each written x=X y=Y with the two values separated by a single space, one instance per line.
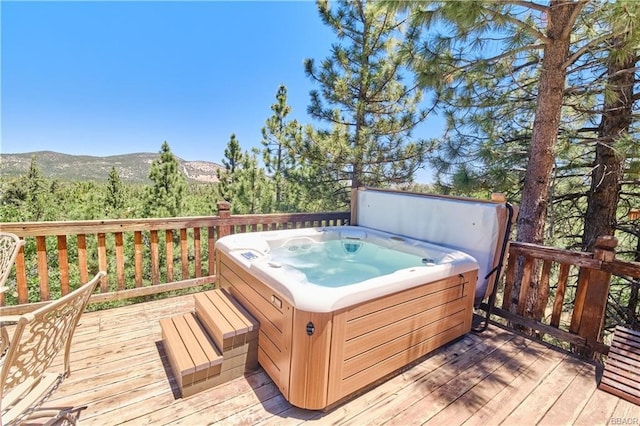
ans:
x=109 y=78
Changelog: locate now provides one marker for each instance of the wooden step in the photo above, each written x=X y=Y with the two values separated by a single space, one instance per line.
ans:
x=213 y=345
x=621 y=375
x=195 y=360
x=228 y=323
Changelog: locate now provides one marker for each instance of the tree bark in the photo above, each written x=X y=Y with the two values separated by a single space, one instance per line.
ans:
x=535 y=195
x=600 y=218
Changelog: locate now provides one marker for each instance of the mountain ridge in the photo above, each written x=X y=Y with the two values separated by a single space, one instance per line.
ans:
x=132 y=168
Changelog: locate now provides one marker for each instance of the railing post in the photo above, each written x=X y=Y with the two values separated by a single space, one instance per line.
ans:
x=597 y=292
x=224 y=212
x=353 y=219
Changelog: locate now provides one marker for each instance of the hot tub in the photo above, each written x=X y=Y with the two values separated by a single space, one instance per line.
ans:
x=342 y=307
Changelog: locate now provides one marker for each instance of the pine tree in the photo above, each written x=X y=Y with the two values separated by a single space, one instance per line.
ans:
x=36 y=192
x=231 y=161
x=242 y=182
x=164 y=197
x=362 y=96
x=491 y=55
x=490 y=43
x=614 y=140
x=277 y=141
x=499 y=59
x=115 y=197
x=233 y=154
x=30 y=197
x=254 y=192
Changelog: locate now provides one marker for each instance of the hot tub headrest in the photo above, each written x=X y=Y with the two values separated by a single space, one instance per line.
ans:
x=353 y=234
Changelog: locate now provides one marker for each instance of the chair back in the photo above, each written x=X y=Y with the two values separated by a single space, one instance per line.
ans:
x=40 y=335
x=9 y=248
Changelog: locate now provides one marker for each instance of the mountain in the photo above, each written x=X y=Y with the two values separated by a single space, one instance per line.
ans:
x=132 y=168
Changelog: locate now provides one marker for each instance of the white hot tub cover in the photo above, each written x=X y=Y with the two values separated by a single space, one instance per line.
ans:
x=476 y=227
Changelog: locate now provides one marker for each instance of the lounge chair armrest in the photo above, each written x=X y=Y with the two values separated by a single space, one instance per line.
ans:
x=9 y=319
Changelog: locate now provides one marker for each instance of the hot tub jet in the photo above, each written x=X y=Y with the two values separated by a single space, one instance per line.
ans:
x=351 y=247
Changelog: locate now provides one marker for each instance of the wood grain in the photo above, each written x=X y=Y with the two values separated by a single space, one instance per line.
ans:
x=119 y=369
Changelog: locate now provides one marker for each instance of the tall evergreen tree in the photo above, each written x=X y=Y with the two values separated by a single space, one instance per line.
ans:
x=36 y=192
x=231 y=161
x=372 y=113
x=499 y=59
x=233 y=154
x=115 y=192
x=164 y=197
x=618 y=96
x=489 y=44
x=491 y=71
x=254 y=191
x=277 y=137
x=26 y=196
x=242 y=182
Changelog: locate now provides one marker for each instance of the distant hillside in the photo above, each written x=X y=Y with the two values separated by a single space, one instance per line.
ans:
x=133 y=168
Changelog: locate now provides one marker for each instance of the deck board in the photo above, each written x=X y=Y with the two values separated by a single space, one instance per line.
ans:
x=120 y=371
x=505 y=371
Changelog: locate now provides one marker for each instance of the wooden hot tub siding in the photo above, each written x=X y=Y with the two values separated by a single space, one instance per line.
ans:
x=352 y=347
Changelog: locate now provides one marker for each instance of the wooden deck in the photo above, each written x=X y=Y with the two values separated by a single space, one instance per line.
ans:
x=120 y=371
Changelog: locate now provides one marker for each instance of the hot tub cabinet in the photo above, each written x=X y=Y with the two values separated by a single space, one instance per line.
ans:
x=319 y=358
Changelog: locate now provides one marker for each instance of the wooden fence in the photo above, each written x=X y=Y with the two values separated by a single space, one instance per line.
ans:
x=162 y=255
x=576 y=317
x=177 y=253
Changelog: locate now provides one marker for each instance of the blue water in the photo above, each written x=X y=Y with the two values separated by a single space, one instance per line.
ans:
x=343 y=262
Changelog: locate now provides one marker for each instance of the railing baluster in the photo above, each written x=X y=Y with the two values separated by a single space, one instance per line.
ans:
x=119 y=238
x=21 y=277
x=102 y=260
x=43 y=270
x=63 y=264
x=184 y=253
x=578 y=304
x=196 y=252
x=524 y=287
x=155 y=257
x=168 y=242
x=211 y=241
x=137 y=242
x=543 y=292
x=558 y=302
x=82 y=257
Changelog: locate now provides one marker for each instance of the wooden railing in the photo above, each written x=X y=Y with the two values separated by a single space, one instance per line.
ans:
x=149 y=256
x=141 y=256
x=577 y=316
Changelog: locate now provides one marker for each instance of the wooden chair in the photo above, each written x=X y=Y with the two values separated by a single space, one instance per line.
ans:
x=621 y=375
x=25 y=381
x=10 y=245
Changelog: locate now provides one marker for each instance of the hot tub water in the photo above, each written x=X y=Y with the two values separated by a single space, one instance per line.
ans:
x=337 y=263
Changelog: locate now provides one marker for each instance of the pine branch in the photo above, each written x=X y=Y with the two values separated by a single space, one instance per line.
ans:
x=518 y=23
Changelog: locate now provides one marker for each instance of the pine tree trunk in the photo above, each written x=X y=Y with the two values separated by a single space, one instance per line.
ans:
x=535 y=195
x=600 y=218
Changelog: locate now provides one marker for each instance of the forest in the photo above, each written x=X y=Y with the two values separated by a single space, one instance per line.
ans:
x=541 y=104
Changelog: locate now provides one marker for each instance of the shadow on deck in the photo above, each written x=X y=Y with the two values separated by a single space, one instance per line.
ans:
x=120 y=371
